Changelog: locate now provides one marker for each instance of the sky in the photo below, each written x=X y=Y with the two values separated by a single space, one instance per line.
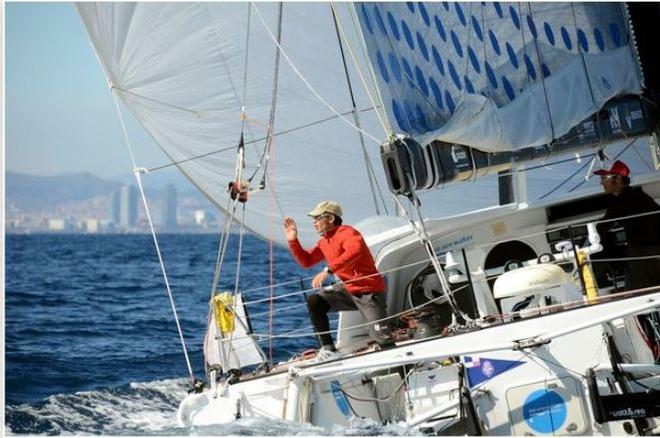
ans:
x=60 y=115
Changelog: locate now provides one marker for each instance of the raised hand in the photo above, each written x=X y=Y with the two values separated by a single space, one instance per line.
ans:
x=290 y=229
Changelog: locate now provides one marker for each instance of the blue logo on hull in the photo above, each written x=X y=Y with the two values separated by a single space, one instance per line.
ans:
x=544 y=411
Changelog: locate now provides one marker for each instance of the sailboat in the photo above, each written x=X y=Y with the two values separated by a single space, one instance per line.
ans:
x=505 y=328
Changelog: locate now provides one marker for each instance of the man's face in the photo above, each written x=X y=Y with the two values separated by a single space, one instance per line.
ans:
x=324 y=223
x=612 y=184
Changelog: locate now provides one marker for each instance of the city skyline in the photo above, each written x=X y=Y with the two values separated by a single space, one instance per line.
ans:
x=44 y=204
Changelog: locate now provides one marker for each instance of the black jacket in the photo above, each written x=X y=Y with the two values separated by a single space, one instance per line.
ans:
x=641 y=231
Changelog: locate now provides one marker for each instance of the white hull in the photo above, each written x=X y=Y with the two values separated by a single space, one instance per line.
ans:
x=524 y=377
x=569 y=343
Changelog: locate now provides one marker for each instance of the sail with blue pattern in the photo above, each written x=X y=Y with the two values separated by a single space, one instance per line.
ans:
x=497 y=76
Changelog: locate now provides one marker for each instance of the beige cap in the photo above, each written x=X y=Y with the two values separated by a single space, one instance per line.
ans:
x=326 y=207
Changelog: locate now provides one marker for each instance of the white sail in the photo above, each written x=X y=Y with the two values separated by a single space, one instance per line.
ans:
x=180 y=68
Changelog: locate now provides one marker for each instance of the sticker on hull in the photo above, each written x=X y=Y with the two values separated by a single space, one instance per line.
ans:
x=340 y=398
x=544 y=411
x=480 y=369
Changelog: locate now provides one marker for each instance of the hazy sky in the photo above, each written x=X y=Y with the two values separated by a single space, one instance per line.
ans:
x=60 y=114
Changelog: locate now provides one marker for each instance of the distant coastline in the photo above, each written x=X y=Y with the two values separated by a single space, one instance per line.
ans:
x=83 y=203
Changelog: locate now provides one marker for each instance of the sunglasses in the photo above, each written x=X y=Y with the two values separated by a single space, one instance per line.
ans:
x=315 y=219
x=605 y=178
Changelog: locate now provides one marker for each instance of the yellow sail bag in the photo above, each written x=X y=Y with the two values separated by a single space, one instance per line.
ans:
x=222 y=305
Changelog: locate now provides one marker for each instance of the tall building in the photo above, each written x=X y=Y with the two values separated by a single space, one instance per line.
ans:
x=114 y=206
x=170 y=208
x=128 y=206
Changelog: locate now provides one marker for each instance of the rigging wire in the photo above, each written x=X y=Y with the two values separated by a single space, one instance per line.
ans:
x=642 y=159
x=423 y=237
x=567 y=179
x=370 y=172
x=273 y=105
x=268 y=171
x=306 y=82
x=420 y=262
x=498 y=317
x=137 y=172
x=384 y=121
x=615 y=157
x=224 y=239
x=228 y=71
x=581 y=53
x=245 y=66
x=255 y=140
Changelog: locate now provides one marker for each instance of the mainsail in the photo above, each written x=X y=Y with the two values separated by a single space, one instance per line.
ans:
x=498 y=76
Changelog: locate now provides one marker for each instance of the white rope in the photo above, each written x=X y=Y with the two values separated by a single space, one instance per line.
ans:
x=240 y=252
x=137 y=172
x=228 y=72
x=280 y=309
x=306 y=82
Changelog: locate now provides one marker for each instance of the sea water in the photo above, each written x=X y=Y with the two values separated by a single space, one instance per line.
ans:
x=92 y=346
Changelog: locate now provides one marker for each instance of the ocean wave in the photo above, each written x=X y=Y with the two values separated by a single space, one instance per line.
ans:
x=149 y=408
x=137 y=408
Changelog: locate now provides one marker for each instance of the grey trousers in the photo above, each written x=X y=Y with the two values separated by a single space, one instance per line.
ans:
x=372 y=306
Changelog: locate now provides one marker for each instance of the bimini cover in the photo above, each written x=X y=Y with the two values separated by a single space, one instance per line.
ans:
x=497 y=76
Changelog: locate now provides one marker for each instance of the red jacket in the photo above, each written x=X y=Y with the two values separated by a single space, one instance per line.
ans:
x=348 y=257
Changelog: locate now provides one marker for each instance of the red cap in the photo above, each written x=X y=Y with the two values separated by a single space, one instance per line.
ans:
x=618 y=168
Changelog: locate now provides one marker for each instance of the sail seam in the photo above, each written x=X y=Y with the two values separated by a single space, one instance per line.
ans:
x=542 y=75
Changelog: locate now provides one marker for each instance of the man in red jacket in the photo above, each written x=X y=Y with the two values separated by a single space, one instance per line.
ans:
x=348 y=258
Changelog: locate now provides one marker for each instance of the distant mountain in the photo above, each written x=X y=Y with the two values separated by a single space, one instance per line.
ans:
x=34 y=193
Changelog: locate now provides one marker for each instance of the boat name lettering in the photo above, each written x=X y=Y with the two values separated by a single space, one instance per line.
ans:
x=541 y=282
x=630 y=413
x=456 y=243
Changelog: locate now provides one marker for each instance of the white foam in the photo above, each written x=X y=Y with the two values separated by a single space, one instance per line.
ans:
x=150 y=408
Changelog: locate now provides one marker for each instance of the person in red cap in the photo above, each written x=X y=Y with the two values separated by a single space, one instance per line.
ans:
x=348 y=258
x=642 y=233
